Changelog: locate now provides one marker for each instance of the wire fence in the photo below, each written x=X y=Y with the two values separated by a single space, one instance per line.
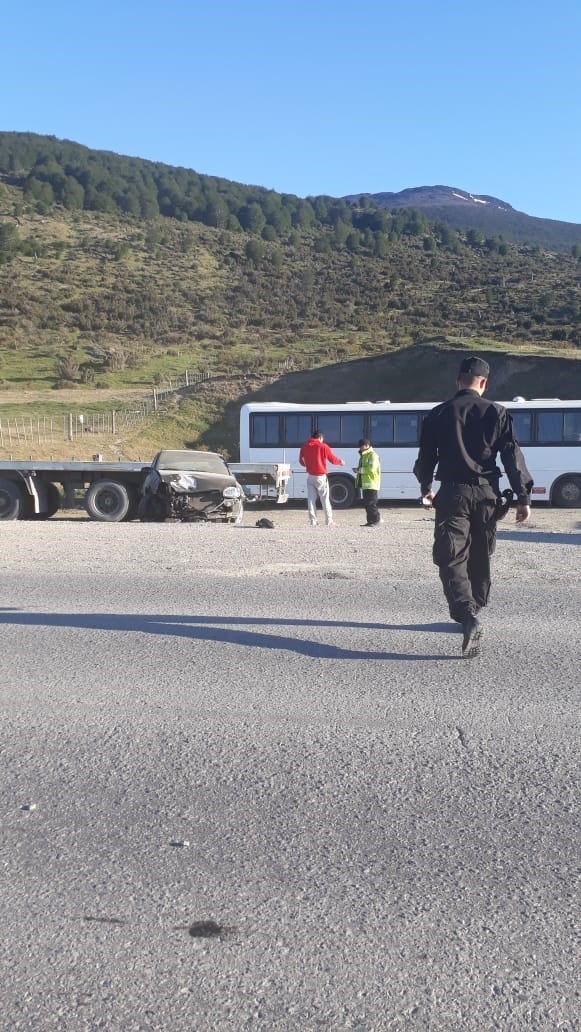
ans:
x=73 y=425
x=168 y=387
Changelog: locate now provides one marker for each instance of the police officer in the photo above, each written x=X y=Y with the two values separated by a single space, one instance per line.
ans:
x=462 y=437
x=369 y=480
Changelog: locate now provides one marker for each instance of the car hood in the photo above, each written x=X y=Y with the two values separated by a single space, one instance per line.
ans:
x=192 y=482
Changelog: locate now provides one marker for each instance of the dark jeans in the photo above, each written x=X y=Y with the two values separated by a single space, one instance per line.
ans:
x=370 y=503
x=464 y=540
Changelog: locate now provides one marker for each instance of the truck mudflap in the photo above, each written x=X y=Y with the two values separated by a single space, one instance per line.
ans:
x=267 y=479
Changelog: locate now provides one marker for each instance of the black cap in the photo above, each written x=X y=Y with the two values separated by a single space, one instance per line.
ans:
x=475 y=366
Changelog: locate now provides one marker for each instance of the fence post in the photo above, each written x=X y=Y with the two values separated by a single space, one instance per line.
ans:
x=70 y=426
x=113 y=423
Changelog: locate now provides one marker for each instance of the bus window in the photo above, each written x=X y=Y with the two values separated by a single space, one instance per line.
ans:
x=522 y=426
x=572 y=426
x=329 y=423
x=381 y=428
x=406 y=427
x=549 y=427
x=352 y=429
x=264 y=430
x=297 y=429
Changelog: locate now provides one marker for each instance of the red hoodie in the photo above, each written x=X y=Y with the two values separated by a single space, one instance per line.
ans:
x=315 y=454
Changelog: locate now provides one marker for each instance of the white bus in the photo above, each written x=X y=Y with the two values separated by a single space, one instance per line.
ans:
x=548 y=430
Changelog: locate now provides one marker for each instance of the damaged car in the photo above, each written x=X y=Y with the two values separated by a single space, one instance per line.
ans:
x=190 y=486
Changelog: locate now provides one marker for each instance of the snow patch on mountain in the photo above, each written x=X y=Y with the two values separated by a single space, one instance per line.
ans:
x=469 y=197
x=478 y=200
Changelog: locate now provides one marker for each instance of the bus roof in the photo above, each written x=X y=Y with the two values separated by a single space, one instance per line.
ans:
x=282 y=406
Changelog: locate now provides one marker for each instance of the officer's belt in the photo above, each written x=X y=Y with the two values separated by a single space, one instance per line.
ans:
x=492 y=480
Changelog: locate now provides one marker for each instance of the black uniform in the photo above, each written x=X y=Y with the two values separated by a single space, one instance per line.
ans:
x=463 y=436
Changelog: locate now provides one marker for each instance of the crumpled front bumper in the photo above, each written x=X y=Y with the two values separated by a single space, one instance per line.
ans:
x=192 y=508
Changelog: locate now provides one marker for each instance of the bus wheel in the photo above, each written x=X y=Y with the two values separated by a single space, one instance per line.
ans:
x=11 y=501
x=342 y=491
x=567 y=493
x=108 y=501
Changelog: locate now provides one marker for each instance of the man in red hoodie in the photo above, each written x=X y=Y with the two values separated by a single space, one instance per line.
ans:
x=314 y=456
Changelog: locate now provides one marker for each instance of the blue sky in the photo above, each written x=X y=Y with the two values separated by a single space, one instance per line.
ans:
x=313 y=97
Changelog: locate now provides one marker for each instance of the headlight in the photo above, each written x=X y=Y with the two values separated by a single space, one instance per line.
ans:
x=231 y=492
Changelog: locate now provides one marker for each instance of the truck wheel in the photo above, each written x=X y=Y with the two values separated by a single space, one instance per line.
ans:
x=11 y=500
x=342 y=491
x=53 y=504
x=53 y=500
x=567 y=493
x=107 y=501
x=133 y=496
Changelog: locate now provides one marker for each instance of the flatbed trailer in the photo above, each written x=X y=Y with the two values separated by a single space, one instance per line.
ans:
x=32 y=489
x=267 y=479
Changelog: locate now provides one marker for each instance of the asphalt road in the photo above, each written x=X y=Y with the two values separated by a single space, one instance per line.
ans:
x=249 y=783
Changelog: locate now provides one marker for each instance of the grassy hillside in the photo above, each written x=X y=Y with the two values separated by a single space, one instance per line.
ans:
x=120 y=302
x=97 y=307
x=207 y=414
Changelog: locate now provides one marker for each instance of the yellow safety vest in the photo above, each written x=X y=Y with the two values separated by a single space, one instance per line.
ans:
x=369 y=471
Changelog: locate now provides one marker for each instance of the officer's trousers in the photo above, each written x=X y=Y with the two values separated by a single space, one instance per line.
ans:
x=370 y=503
x=464 y=540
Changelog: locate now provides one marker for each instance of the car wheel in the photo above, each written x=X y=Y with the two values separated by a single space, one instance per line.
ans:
x=152 y=509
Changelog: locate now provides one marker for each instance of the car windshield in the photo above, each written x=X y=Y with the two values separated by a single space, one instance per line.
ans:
x=191 y=462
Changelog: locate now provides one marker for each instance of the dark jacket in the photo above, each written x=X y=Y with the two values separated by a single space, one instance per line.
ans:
x=462 y=437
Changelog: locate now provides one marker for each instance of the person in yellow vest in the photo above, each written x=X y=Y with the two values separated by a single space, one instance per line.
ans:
x=368 y=480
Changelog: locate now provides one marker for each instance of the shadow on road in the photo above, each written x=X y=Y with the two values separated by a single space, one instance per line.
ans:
x=542 y=537
x=212 y=628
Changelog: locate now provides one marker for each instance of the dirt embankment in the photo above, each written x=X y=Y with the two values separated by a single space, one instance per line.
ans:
x=427 y=373
x=421 y=373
